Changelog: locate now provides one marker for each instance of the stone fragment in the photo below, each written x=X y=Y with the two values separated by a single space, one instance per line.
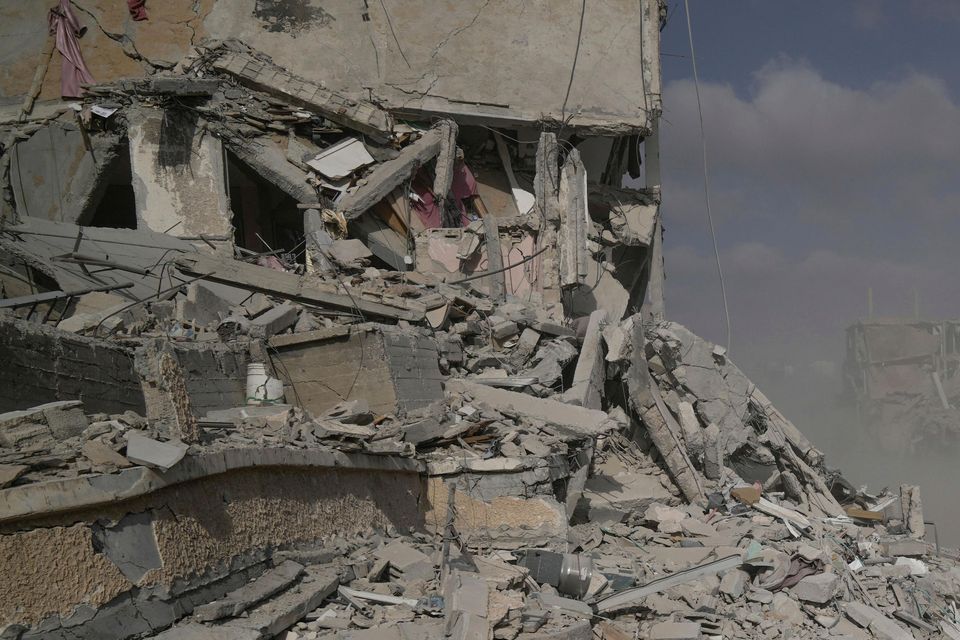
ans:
x=884 y=628
x=819 y=588
x=733 y=583
x=10 y=472
x=905 y=547
x=675 y=631
x=786 y=609
x=100 y=454
x=762 y=596
x=278 y=319
x=237 y=601
x=860 y=613
x=153 y=453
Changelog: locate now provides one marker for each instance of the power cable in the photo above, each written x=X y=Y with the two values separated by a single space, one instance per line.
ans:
x=706 y=179
x=573 y=70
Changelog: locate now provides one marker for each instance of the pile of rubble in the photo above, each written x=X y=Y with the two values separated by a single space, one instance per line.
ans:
x=318 y=321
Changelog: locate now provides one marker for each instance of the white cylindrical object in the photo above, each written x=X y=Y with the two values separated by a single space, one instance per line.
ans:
x=256 y=383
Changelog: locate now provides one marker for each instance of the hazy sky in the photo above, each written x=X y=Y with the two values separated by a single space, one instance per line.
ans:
x=833 y=131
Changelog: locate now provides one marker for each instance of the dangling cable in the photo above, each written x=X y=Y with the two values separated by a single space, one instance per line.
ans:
x=706 y=179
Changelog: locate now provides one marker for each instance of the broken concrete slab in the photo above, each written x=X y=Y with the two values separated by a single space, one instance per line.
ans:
x=276 y=320
x=236 y=602
x=100 y=454
x=675 y=631
x=579 y=420
x=412 y=563
x=203 y=306
x=259 y=73
x=861 y=613
x=819 y=588
x=883 y=628
x=589 y=376
x=466 y=606
x=388 y=175
x=350 y=253
x=10 y=472
x=288 y=286
x=279 y=613
x=153 y=453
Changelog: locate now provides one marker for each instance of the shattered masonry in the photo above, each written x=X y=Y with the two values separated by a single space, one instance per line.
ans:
x=336 y=320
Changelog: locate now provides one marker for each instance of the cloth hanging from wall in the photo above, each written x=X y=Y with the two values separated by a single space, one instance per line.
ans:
x=138 y=9
x=64 y=25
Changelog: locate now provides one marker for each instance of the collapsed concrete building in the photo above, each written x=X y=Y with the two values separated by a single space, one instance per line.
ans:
x=336 y=319
x=903 y=377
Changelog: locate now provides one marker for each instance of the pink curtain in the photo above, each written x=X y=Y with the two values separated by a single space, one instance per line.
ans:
x=67 y=29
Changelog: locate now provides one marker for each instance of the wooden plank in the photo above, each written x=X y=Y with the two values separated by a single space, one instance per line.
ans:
x=288 y=286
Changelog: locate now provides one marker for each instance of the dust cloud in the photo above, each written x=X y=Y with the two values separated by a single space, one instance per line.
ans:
x=814 y=402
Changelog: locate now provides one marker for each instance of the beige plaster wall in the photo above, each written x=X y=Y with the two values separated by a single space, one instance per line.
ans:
x=199 y=526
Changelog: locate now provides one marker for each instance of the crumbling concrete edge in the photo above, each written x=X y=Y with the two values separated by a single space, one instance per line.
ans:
x=73 y=494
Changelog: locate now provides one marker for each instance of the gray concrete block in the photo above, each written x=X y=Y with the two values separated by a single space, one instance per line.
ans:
x=278 y=319
x=153 y=453
x=675 y=631
x=819 y=588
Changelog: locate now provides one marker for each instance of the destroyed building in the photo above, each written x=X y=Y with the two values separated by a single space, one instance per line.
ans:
x=903 y=377
x=337 y=320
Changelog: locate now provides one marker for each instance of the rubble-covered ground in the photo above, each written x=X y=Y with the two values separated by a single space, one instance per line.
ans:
x=576 y=466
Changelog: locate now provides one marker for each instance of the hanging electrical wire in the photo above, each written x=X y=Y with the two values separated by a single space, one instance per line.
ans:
x=706 y=178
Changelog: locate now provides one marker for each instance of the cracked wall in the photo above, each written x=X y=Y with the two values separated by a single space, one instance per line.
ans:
x=114 y=45
x=492 y=59
x=199 y=529
x=484 y=59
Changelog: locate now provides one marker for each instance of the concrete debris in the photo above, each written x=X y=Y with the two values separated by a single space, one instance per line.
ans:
x=153 y=453
x=819 y=588
x=236 y=602
x=295 y=352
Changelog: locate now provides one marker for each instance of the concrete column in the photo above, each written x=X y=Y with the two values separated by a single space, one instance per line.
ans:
x=178 y=177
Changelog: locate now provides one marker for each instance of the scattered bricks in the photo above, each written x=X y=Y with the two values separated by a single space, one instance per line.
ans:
x=675 y=631
x=278 y=319
x=733 y=583
x=152 y=453
x=818 y=589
